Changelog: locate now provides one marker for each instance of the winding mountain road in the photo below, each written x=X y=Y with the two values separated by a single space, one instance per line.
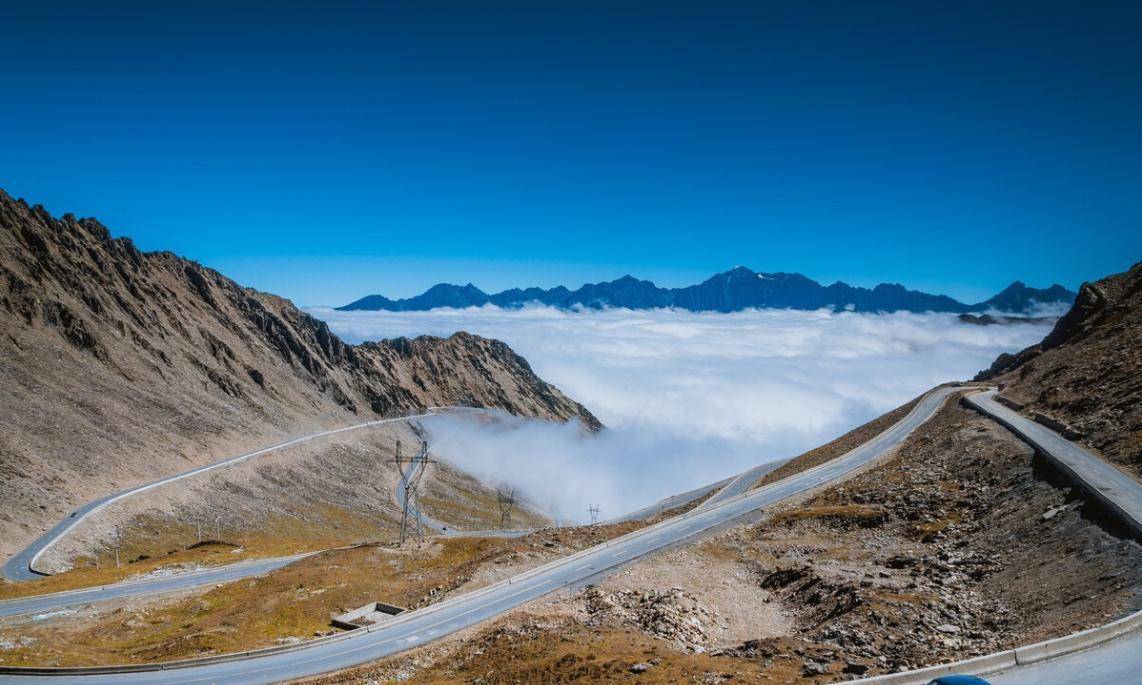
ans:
x=22 y=565
x=670 y=502
x=1112 y=661
x=424 y=625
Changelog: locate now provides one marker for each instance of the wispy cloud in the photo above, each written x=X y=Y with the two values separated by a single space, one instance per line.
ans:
x=692 y=397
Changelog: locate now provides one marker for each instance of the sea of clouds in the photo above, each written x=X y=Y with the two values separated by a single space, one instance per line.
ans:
x=688 y=398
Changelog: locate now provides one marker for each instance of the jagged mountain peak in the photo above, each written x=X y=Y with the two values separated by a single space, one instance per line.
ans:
x=125 y=366
x=736 y=289
x=1019 y=297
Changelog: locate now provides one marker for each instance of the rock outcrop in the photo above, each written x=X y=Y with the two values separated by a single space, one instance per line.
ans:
x=1087 y=372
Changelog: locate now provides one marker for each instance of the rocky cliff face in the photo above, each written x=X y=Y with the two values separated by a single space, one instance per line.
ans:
x=1088 y=370
x=120 y=366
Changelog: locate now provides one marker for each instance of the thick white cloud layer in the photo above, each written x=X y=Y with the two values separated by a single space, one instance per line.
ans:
x=690 y=397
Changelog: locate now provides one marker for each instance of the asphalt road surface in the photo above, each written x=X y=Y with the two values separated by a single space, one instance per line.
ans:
x=1119 y=490
x=669 y=502
x=179 y=581
x=424 y=625
x=741 y=483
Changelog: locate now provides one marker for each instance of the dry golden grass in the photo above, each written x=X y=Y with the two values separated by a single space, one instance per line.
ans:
x=924 y=531
x=296 y=601
x=844 y=514
x=155 y=543
x=106 y=573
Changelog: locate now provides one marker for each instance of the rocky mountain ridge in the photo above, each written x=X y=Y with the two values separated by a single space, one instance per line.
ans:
x=120 y=366
x=734 y=290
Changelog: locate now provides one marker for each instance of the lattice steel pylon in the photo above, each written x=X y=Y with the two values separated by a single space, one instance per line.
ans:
x=593 y=510
x=506 y=501
x=411 y=471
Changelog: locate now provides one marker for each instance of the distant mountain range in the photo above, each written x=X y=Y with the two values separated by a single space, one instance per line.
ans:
x=731 y=291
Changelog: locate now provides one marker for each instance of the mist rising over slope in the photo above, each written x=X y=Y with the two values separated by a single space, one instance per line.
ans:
x=692 y=397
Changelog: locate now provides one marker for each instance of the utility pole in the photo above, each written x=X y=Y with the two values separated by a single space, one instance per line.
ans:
x=506 y=500
x=593 y=510
x=411 y=471
x=118 y=544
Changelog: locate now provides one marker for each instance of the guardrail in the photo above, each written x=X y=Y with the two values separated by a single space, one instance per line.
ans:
x=1020 y=656
x=1057 y=426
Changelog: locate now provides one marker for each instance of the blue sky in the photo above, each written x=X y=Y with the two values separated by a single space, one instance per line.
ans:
x=329 y=150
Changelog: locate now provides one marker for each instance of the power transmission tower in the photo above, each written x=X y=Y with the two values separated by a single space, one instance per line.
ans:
x=506 y=500
x=593 y=510
x=411 y=471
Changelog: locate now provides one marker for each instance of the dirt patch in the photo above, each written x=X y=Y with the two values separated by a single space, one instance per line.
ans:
x=847 y=515
x=527 y=648
x=714 y=601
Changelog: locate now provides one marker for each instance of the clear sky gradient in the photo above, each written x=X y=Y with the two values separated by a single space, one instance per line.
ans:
x=325 y=151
